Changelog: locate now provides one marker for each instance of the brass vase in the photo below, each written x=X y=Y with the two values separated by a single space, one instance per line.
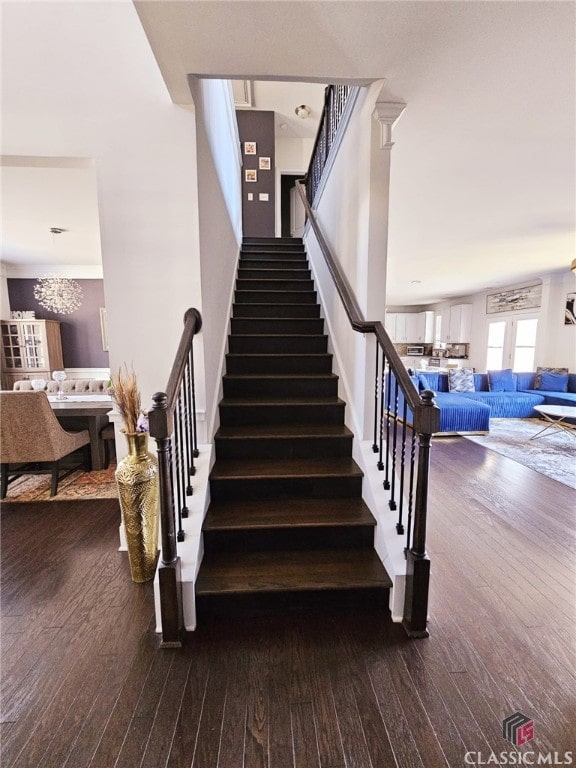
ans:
x=137 y=480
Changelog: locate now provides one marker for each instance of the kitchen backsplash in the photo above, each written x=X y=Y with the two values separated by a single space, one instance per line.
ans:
x=402 y=349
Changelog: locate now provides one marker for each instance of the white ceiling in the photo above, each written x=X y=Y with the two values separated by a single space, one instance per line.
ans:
x=483 y=166
x=41 y=193
x=282 y=98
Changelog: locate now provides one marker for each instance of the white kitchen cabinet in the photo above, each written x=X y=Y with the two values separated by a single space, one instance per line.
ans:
x=410 y=327
x=390 y=325
x=425 y=328
x=460 y=324
x=454 y=325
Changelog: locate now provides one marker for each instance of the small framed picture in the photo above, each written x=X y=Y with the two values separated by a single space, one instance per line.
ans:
x=249 y=147
x=251 y=175
x=264 y=163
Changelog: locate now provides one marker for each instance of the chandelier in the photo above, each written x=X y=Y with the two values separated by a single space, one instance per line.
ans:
x=58 y=294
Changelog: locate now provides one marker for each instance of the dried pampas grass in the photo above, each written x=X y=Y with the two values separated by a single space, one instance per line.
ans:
x=126 y=396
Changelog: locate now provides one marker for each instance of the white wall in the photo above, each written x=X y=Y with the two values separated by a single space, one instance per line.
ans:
x=220 y=218
x=343 y=214
x=219 y=118
x=86 y=73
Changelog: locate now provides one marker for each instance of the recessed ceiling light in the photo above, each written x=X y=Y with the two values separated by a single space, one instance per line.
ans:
x=416 y=282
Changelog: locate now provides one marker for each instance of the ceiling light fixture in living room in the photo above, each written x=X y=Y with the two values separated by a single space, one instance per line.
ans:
x=303 y=111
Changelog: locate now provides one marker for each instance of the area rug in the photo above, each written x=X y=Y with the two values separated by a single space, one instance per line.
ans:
x=99 y=484
x=553 y=454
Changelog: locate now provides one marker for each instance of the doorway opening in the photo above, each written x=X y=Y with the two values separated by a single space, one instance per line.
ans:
x=291 y=208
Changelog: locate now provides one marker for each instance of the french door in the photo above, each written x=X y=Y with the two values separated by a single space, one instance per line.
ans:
x=512 y=343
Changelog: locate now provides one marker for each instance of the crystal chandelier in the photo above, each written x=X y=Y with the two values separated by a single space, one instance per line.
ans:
x=58 y=294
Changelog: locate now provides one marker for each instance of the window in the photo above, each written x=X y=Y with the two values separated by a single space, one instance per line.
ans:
x=525 y=344
x=496 y=335
x=512 y=344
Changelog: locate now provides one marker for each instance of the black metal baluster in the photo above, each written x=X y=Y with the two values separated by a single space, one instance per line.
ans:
x=177 y=471
x=411 y=490
x=381 y=443
x=188 y=428
x=376 y=380
x=388 y=396
x=181 y=414
x=399 y=524
x=195 y=451
x=392 y=502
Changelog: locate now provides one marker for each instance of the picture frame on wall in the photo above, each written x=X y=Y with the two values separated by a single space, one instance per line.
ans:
x=251 y=175
x=570 y=315
x=529 y=297
x=264 y=163
x=249 y=147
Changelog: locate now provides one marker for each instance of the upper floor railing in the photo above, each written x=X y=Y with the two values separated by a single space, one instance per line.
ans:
x=172 y=421
x=402 y=439
x=335 y=100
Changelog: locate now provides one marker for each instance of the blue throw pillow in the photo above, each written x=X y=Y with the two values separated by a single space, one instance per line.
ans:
x=553 y=382
x=428 y=381
x=501 y=381
x=461 y=380
x=540 y=370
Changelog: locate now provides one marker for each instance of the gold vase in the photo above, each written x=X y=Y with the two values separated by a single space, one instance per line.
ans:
x=137 y=480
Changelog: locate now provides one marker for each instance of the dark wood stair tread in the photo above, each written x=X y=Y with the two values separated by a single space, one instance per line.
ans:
x=288 y=513
x=281 y=377
x=280 y=401
x=266 y=469
x=257 y=572
x=283 y=431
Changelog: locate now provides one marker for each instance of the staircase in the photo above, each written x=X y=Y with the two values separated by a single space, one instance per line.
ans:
x=287 y=527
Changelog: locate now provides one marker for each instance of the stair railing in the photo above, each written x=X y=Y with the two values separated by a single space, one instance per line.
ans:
x=335 y=99
x=172 y=421
x=396 y=404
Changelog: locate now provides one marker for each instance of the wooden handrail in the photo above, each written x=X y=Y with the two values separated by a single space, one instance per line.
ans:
x=358 y=323
x=161 y=419
x=426 y=421
x=192 y=326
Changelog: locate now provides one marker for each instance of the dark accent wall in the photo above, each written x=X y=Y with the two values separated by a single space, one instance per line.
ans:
x=258 y=216
x=80 y=331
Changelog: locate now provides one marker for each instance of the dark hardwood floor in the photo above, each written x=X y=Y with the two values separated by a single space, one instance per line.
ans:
x=85 y=684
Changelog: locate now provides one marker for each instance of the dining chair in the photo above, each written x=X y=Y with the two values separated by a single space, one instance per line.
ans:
x=33 y=442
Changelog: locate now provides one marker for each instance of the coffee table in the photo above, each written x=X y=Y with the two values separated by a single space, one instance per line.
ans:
x=556 y=415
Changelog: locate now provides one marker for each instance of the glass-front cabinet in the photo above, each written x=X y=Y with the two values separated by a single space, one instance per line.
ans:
x=30 y=349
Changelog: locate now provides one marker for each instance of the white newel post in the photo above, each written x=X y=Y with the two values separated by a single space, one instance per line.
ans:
x=385 y=115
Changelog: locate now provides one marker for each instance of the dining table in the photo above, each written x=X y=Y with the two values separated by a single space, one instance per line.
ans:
x=76 y=412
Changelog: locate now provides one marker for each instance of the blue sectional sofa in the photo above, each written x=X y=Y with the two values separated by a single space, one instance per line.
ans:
x=472 y=411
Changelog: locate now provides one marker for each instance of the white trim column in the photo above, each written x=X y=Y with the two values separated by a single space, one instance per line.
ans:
x=384 y=116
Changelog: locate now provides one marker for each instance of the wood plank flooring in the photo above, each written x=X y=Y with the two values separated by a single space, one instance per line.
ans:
x=84 y=683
